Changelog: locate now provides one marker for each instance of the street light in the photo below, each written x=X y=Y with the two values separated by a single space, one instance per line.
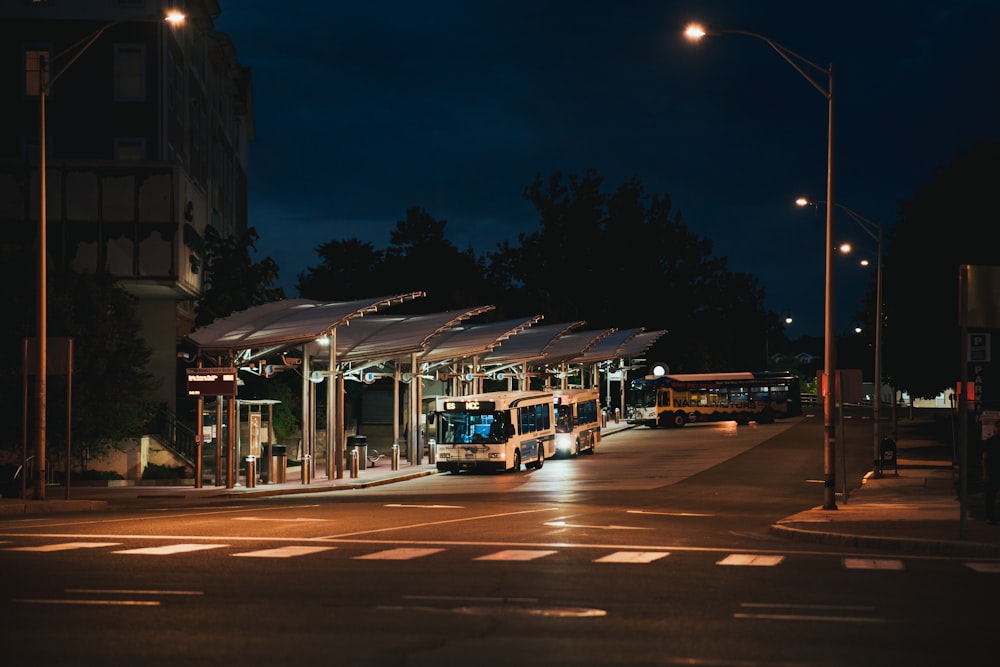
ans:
x=801 y=65
x=874 y=230
x=45 y=81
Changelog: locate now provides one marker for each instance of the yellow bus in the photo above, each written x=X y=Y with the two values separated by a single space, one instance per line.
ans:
x=578 y=420
x=498 y=431
x=676 y=400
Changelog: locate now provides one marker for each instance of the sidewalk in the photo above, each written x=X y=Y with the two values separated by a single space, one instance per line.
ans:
x=917 y=511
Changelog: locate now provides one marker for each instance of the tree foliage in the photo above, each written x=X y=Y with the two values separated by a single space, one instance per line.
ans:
x=611 y=260
x=234 y=282
x=944 y=226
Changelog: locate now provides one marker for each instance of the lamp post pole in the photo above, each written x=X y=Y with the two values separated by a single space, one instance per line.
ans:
x=874 y=230
x=802 y=66
x=45 y=81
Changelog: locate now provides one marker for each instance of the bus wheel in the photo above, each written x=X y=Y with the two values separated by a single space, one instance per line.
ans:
x=577 y=452
x=517 y=461
x=742 y=419
x=537 y=465
x=766 y=416
x=679 y=419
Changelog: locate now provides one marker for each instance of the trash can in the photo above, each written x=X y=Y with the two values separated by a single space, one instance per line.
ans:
x=361 y=442
x=887 y=455
x=277 y=466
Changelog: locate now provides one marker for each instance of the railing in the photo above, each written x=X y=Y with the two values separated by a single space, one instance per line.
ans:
x=174 y=435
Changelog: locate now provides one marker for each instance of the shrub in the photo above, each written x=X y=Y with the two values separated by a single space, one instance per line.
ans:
x=156 y=471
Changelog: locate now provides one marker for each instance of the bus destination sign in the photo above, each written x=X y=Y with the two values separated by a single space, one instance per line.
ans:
x=211 y=381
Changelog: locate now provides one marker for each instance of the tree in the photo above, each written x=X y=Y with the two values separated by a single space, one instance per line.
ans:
x=944 y=226
x=234 y=282
x=651 y=272
x=112 y=386
x=349 y=270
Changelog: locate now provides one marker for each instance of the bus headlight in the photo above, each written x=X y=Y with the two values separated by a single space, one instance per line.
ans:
x=564 y=441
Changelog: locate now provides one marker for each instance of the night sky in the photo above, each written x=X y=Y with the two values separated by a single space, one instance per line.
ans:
x=365 y=109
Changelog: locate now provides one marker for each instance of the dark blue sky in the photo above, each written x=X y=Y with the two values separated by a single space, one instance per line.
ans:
x=365 y=109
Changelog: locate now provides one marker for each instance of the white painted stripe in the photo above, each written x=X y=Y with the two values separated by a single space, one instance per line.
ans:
x=260 y=518
x=124 y=603
x=796 y=617
x=785 y=605
x=633 y=557
x=989 y=568
x=65 y=546
x=873 y=564
x=283 y=552
x=666 y=513
x=754 y=560
x=563 y=524
x=170 y=549
x=398 y=554
x=427 y=507
x=128 y=591
x=517 y=554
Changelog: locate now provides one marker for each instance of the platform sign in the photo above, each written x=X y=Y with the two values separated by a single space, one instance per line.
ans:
x=211 y=381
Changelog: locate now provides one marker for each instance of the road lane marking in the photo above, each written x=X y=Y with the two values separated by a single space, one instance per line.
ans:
x=791 y=616
x=989 y=568
x=873 y=564
x=65 y=546
x=752 y=560
x=170 y=549
x=398 y=554
x=438 y=523
x=428 y=507
x=130 y=591
x=283 y=552
x=633 y=557
x=124 y=603
x=517 y=554
x=666 y=513
x=564 y=524
x=258 y=518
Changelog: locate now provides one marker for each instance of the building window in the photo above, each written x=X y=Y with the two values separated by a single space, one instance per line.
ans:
x=130 y=73
x=130 y=148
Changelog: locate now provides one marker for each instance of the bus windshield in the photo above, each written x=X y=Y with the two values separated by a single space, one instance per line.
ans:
x=463 y=426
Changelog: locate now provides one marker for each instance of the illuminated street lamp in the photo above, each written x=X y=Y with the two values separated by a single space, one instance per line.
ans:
x=803 y=66
x=874 y=230
x=45 y=81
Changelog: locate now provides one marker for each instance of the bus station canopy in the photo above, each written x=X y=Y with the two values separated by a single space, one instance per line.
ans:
x=363 y=335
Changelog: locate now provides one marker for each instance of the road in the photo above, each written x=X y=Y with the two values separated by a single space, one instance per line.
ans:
x=653 y=550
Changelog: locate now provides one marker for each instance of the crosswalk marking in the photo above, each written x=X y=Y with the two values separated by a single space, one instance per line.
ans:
x=65 y=546
x=506 y=555
x=404 y=553
x=283 y=552
x=170 y=549
x=753 y=560
x=633 y=557
x=517 y=554
x=873 y=564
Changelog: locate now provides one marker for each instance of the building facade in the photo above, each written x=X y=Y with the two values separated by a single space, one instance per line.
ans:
x=147 y=129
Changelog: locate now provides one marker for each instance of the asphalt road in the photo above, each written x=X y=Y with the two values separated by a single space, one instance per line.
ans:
x=653 y=551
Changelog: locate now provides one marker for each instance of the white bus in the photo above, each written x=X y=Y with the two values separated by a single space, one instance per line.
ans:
x=578 y=420
x=496 y=431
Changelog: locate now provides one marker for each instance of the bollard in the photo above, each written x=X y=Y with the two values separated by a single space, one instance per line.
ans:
x=305 y=469
x=395 y=456
x=354 y=462
x=618 y=413
x=251 y=472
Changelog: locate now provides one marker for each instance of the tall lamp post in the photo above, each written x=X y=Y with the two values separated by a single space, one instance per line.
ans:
x=874 y=230
x=803 y=66
x=47 y=77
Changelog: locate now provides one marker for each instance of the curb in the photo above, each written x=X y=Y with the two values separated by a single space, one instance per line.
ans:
x=905 y=545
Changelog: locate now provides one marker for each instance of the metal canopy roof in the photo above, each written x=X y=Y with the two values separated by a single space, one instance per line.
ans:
x=435 y=338
x=529 y=345
x=285 y=323
x=383 y=336
x=463 y=342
